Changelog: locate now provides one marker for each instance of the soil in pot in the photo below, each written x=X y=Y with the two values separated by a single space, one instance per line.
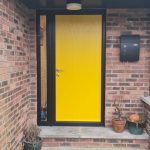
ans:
x=118 y=125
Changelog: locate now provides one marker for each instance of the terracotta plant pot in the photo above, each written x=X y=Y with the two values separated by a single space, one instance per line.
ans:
x=118 y=124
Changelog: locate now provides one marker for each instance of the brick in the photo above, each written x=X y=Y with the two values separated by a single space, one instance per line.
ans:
x=127 y=79
x=65 y=144
x=119 y=145
x=133 y=145
x=99 y=140
x=60 y=139
x=13 y=61
x=145 y=19
x=113 y=141
x=18 y=52
x=86 y=142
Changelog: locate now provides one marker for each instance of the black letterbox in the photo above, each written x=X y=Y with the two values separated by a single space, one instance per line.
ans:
x=130 y=47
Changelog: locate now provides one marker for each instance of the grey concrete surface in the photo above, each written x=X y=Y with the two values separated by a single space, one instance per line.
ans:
x=146 y=100
x=67 y=148
x=87 y=132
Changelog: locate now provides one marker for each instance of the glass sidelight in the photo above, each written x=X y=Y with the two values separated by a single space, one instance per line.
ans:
x=43 y=61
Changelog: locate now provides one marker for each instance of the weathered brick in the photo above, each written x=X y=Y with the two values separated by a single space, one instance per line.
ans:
x=91 y=143
x=14 y=72
x=18 y=51
x=126 y=79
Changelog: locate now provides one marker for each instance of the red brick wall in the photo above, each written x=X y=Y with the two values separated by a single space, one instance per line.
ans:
x=15 y=72
x=33 y=69
x=95 y=143
x=129 y=80
x=18 y=84
x=147 y=113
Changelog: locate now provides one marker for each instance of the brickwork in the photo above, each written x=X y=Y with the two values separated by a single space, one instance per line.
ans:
x=128 y=80
x=94 y=143
x=14 y=72
x=18 y=76
x=147 y=112
x=33 y=69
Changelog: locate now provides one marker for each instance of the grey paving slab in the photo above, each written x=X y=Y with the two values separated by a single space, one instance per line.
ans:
x=87 y=132
x=68 y=132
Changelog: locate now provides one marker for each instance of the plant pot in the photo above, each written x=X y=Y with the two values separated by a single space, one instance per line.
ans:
x=135 y=128
x=33 y=146
x=118 y=125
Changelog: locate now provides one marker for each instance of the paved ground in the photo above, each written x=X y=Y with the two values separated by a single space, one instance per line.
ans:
x=67 y=148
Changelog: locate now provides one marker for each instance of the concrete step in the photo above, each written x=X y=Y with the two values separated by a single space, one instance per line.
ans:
x=91 y=138
x=71 y=148
x=88 y=132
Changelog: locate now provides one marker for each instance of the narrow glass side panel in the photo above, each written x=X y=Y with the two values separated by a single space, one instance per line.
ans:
x=43 y=49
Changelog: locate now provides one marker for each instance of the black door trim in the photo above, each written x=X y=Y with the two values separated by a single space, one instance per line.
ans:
x=50 y=14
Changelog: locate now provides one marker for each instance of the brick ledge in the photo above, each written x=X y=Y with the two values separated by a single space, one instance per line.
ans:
x=146 y=100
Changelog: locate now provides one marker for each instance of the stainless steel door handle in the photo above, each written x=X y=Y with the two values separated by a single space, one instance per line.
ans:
x=59 y=70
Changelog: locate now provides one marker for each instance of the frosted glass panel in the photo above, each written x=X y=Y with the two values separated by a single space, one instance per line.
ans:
x=43 y=68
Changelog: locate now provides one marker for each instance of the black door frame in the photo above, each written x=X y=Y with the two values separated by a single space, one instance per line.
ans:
x=50 y=15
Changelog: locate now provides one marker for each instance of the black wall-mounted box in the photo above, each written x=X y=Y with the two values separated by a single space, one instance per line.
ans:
x=130 y=48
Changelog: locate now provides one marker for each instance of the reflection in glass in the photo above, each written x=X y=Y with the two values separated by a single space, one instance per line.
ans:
x=43 y=58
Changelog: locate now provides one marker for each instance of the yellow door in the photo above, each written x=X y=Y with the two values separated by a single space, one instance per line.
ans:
x=78 y=68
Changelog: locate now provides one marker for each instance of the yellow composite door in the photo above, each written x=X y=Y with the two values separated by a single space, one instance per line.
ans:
x=78 y=51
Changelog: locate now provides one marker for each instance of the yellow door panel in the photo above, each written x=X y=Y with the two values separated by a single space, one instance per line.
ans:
x=78 y=67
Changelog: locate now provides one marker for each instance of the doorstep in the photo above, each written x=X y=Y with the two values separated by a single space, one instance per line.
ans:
x=66 y=148
x=87 y=132
x=87 y=138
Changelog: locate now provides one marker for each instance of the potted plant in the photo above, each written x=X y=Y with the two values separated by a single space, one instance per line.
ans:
x=119 y=122
x=136 y=123
x=31 y=139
